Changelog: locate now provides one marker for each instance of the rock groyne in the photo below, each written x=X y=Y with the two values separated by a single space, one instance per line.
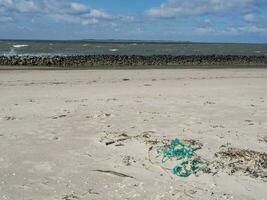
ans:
x=133 y=60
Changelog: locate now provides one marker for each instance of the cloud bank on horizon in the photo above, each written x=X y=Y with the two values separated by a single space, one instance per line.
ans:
x=182 y=20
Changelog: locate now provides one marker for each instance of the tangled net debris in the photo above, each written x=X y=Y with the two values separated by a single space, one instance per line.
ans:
x=189 y=163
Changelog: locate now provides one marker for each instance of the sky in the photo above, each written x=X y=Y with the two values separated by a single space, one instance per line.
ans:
x=178 y=20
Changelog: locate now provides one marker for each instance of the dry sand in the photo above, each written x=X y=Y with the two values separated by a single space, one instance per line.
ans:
x=54 y=125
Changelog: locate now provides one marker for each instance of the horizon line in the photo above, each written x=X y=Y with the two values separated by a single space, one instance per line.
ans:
x=133 y=40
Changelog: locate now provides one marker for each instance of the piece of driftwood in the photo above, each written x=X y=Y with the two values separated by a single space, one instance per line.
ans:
x=114 y=173
x=114 y=141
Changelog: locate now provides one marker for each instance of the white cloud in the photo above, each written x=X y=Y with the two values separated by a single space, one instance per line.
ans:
x=26 y=6
x=173 y=8
x=6 y=3
x=21 y=6
x=90 y=21
x=5 y=19
x=231 y=30
x=60 y=10
x=205 y=29
x=77 y=7
x=249 y=17
x=98 y=14
x=246 y=29
x=127 y=19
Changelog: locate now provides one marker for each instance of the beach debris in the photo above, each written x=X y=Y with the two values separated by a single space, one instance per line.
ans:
x=115 y=141
x=10 y=118
x=121 y=137
x=76 y=100
x=128 y=160
x=113 y=137
x=110 y=142
x=264 y=139
x=119 y=145
x=59 y=116
x=111 y=99
x=234 y=160
x=114 y=173
x=102 y=115
x=217 y=126
x=209 y=102
x=196 y=145
x=107 y=114
x=70 y=197
x=189 y=163
x=117 y=137
x=90 y=191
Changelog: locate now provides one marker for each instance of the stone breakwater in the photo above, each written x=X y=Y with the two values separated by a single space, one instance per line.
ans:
x=134 y=60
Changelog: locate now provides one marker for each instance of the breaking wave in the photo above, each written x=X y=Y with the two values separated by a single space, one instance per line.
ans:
x=113 y=50
x=20 y=45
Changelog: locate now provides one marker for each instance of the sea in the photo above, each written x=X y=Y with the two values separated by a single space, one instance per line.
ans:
x=118 y=47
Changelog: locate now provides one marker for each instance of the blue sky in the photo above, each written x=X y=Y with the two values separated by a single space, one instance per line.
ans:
x=180 y=20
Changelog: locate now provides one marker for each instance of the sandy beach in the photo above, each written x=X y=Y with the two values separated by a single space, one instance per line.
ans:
x=93 y=134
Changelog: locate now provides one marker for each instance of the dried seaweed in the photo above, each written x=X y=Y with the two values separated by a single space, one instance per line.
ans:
x=233 y=160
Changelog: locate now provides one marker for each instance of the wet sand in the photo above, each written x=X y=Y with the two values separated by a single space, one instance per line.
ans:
x=56 y=126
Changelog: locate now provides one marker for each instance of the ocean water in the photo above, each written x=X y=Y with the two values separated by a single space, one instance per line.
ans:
x=88 y=47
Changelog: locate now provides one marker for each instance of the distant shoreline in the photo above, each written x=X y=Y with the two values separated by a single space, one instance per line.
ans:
x=133 y=61
x=117 y=41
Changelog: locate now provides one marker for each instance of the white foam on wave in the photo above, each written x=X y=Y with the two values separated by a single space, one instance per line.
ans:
x=113 y=50
x=12 y=52
x=20 y=45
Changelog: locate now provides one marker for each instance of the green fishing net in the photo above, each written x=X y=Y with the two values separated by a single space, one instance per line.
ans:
x=188 y=162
